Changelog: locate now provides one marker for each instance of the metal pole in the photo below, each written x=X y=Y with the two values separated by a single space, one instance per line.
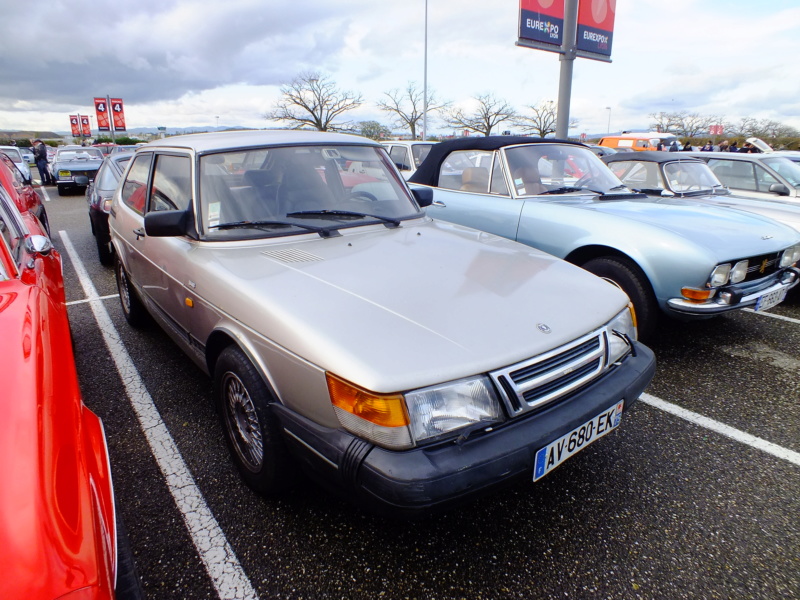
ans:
x=110 y=113
x=567 y=59
x=425 y=82
x=608 y=129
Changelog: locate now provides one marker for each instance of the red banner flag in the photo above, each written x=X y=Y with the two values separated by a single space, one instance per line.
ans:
x=101 y=108
x=75 y=125
x=85 y=126
x=118 y=114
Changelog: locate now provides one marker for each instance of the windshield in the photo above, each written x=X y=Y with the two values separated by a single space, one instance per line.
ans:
x=558 y=168
x=786 y=168
x=690 y=177
x=278 y=191
x=83 y=154
x=13 y=154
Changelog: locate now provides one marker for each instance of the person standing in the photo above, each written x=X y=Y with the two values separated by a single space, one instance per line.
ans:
x=40 y=157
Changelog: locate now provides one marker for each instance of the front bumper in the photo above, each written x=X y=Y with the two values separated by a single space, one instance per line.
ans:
x=415 y=481
x=740 y=296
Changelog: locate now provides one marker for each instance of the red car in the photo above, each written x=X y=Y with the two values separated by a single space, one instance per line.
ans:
x=58 y=533
x=23 y=195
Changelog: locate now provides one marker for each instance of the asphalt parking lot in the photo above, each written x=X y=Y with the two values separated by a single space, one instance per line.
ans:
x=697 y=495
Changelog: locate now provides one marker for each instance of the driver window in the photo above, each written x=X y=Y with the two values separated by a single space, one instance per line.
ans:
x=498 y=182
x=764 y=179
x=171 y=188
x=135 y=187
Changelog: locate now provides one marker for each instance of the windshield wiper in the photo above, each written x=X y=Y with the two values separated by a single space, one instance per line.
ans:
x=567 y=189
x=322 y=231
x=344 y=213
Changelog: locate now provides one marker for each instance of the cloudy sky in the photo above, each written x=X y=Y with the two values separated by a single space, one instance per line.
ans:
x=199 y=63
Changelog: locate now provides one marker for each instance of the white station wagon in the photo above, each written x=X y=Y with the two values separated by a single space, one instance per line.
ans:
x=403 y=362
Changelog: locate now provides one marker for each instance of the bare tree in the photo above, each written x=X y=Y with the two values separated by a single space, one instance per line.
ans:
x=407 y=107
x=313 y=100
x=542 y=120
x=489 y=113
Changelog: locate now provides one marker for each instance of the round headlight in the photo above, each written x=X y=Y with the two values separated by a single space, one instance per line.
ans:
x=790 y=256
x=719 y=276
x=739 y=271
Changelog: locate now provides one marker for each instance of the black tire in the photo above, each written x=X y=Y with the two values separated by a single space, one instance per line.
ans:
x=105 y=251
x=631 y=279
x=45 y=221
x=62 y=190
x=252 y=431
x=129 y=585
x=132 y=307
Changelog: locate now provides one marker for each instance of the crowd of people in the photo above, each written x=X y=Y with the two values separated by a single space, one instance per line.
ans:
x=725 y=146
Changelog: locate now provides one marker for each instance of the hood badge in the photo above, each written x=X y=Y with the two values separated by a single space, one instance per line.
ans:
x=543 y=328
x=766 y=237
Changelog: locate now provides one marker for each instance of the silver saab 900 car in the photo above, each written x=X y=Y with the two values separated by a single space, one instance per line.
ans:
x=404 y=362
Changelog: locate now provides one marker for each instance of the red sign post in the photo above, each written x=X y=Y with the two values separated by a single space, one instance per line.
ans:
x=118 y=114
x=75 y=125
x=101 y=108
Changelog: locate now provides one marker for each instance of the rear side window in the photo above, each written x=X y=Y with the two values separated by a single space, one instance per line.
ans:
x=399 y=156
x=134 y=189
x=172 y=189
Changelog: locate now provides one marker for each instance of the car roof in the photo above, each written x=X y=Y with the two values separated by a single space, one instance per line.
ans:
x=428 y=171
x=232 y=140
x=655 y=156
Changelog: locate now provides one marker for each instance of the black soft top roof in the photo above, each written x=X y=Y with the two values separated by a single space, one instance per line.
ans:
x=428 y=171
x=650 y=156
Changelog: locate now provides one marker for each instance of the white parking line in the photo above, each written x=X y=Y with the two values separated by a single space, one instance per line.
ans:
x=220 y=562
x=774 y=316
x=735 y=434
x=44 y=191
x=85 y=300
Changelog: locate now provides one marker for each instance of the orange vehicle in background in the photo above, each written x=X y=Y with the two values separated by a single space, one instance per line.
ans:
x=639 y=141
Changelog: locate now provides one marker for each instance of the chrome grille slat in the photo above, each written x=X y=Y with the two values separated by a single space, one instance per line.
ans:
x=532 y=384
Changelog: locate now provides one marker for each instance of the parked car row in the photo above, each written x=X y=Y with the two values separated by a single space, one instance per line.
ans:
x=59 y=534
x=351 y=348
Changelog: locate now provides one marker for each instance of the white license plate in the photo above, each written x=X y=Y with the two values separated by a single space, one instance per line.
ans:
x=772 y=299
x=555 y=453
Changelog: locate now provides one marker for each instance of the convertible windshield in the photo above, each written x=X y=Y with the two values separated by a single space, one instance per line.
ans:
x=558 y=168
x=299 y=187
x=691 y=177
x=788 y=169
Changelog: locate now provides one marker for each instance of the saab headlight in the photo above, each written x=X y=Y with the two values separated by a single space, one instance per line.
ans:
x=441 y=409
x=719 y=276
x=621 y=334
x=790 y=256
x=64 y=173
x=739 y=271
x=400 y=421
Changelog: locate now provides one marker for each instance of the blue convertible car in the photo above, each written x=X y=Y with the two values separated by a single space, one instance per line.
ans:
x=669 y=255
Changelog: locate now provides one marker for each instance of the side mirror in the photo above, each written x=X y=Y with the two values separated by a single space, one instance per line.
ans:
x=779 y=188
x=38 y=244
x=167 y=223
x=423 y=196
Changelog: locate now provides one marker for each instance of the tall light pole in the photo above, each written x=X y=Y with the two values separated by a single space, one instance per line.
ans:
x=425 y=82
x=608 y=129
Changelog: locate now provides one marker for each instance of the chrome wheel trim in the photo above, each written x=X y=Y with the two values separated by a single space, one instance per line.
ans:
x=122 y=288
x=241 y=420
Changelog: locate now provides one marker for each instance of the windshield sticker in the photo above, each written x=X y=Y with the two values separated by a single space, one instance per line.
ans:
x=213 y=214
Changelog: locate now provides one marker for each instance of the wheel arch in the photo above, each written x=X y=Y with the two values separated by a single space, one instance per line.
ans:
x=582 y=255
x=220 y=339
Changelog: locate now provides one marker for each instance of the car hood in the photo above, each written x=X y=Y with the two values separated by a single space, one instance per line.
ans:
x=402 y=308
x=726 y=232
x=783 y=212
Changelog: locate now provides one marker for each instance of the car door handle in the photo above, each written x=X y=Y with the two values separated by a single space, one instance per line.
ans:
x=439 y=203
x=139 y=233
